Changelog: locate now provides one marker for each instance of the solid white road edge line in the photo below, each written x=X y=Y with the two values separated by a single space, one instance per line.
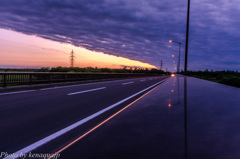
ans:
x=65 y=130
x=90 y=90
x=16 y=92
x=127 y=83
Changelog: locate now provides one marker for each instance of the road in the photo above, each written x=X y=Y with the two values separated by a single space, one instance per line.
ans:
x=183 y=118
x=47 y=119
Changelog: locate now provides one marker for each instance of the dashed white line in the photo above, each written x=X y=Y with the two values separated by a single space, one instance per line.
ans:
x=16 y=92
x=142 y=80
x=90 y=90
x=127 y=83
x=76 y=85
x=44 y=89
x=67 y=129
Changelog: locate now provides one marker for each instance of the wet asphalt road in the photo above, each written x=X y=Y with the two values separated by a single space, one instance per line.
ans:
x=27 y=117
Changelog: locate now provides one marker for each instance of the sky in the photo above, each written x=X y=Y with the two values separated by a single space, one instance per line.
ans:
x=19 y=50
x=127 y=30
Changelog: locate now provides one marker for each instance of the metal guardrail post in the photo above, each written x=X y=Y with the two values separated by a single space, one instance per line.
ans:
x=30 y=79
x=65 y=78
x=5 y=80
x=50 y=78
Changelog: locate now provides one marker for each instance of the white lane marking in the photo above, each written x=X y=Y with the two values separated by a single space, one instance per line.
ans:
x=90 y=90
x=142 y=80
x=17 y=92
x=44 y=89
x=65 y=130
x=58 y=87
x=127 y=83
x=150 y=78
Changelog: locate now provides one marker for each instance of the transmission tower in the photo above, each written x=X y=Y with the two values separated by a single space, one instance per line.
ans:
x=72 y=59
x=161 y=65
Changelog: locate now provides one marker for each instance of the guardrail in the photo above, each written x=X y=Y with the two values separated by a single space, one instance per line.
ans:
x=29 y=78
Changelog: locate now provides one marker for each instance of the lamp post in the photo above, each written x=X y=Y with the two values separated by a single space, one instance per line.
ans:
x=186 y=44
x=178 y=68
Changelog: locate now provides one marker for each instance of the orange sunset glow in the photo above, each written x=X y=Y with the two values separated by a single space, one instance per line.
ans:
x=25 y=51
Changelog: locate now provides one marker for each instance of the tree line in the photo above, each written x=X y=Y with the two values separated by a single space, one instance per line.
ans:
x=231 y=78
x=88 y=69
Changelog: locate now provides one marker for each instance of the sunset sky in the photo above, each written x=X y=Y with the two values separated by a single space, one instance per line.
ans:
x=19 y=50
x=42 y=33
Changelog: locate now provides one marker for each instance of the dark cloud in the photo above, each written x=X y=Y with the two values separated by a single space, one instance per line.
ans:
x=136 y=29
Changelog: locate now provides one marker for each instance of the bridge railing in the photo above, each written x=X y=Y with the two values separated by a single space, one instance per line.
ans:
x=29 y=78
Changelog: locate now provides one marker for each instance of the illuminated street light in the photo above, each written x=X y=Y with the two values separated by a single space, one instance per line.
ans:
x=178 y=67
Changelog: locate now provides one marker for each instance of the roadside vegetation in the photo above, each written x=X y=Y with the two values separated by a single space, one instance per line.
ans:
x=87 y=69
x=231 y=78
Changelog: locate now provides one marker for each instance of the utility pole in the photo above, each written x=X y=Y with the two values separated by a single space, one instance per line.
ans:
x=72 y=59
x=178 y=67
x=186 y=46
x=161 y=65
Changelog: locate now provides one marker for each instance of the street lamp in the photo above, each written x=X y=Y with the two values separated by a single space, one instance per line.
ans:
x=186 y=43
x=178 y=68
